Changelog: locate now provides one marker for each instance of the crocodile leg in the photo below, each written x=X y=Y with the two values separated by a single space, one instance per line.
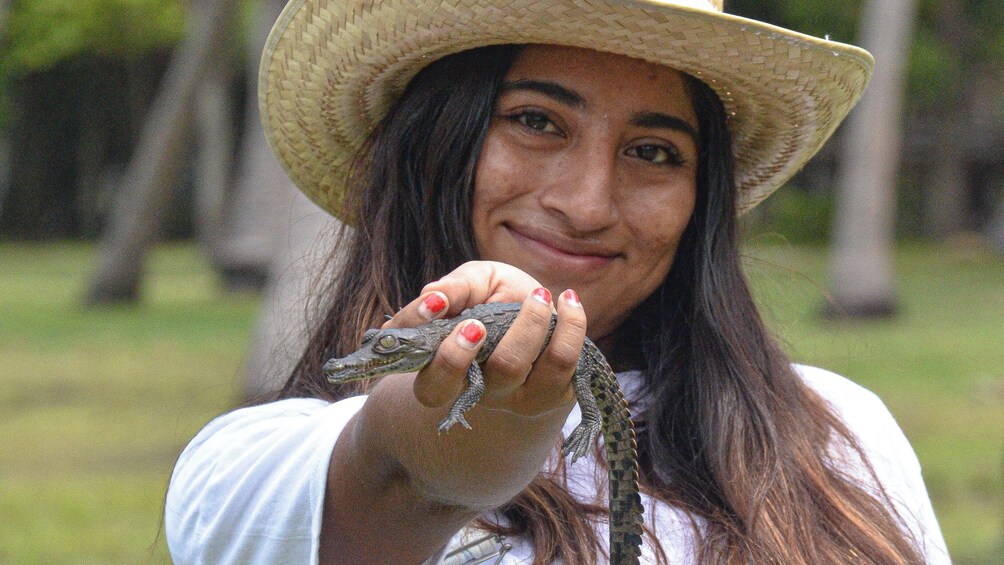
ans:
x=584 y=435
x=471 y=395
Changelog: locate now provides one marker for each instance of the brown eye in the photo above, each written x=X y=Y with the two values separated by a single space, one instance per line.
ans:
x=388 y=341
x=656 y=154
x=536 y=121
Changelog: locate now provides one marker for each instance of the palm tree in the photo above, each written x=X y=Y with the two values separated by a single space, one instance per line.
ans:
x=861 y=266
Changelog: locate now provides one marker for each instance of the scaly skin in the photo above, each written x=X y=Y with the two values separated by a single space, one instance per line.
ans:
x=603 y=406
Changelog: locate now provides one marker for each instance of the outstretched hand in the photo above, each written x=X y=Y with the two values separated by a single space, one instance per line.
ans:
x=391 y=470
x=521 y=376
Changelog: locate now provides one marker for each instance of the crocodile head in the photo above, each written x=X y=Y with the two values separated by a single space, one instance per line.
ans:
x=384 y=352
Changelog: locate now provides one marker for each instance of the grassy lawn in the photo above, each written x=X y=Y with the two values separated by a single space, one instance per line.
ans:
x=96 y=404
x=938 y=365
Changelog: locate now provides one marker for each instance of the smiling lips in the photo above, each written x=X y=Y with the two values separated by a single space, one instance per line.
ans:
x=569 y=255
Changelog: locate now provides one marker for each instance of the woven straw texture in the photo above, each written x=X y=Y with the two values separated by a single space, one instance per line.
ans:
x=332 y=68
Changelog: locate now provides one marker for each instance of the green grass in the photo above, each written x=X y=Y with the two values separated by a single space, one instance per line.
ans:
x=97 y=403
x=938 y=365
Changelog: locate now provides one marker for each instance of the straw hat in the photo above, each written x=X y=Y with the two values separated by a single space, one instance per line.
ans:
x=332 y=68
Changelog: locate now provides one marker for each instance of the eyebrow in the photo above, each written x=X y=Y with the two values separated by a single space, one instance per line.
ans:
x=550 y=89
x=575 y=100
x=665 y=121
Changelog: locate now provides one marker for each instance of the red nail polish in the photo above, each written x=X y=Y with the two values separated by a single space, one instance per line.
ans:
x=572 y=297
x=434 y=303
x=542 y=295
x=472 y=332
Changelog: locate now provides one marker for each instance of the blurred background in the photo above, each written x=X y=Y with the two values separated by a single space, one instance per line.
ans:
x=155 y=262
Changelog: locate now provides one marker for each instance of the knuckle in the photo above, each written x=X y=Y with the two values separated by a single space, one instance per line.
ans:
x=452 y=362
x=430 y=395
x=575 y=322
x=507 y=363
x=563 y=353
x=538 y=314
x=442 y=380
x=472 y=270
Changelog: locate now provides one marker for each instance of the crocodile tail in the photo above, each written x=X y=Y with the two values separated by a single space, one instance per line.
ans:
x=626 y=510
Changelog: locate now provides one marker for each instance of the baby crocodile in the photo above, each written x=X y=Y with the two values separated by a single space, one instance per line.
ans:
x=603 y=406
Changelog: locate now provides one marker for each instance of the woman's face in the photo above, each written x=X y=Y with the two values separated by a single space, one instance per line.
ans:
x=587 y=177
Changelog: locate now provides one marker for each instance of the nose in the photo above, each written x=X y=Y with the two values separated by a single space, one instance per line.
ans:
x=582 y=192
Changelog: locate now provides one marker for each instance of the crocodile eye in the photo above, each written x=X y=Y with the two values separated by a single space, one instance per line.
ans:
x=388 y=341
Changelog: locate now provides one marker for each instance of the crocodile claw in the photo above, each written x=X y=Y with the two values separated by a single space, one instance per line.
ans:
x=451 y=419
x=577 y=444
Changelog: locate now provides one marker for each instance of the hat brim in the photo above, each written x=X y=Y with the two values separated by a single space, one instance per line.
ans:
x=331 y=69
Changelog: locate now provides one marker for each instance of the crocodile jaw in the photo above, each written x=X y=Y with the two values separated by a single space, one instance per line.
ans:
x=356 y=366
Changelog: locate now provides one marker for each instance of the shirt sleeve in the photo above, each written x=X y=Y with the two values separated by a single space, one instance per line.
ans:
x=249 y=488
x=889 y=453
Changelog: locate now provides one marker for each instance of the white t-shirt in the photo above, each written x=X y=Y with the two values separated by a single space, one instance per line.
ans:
x=249 y=488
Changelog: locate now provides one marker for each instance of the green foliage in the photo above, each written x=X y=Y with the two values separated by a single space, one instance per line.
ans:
x=927 y=81
x=796 y=216
x=949 y=37
x=957 y=44
x=987 y=17
x=820 y=18
x=40 y=33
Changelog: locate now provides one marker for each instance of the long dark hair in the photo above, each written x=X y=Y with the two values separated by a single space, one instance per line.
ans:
x=732 y=435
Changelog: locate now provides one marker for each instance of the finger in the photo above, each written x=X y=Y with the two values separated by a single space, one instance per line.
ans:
x=549 y=383
x=446 y=375
x=478 y=282
x=428 y=306
x=513 y=357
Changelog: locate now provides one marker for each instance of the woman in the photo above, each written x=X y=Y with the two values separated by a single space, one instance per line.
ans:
x=593 y=166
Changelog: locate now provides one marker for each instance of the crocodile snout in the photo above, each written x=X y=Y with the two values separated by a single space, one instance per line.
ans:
x=333 y=366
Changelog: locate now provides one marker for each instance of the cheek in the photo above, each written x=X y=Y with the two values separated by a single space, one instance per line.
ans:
x=497 y=178
x=491 y=191
x=657 y=224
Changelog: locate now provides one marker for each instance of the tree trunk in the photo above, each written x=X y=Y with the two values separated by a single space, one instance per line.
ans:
x=285 y=317
x=214 y=163
x=246 y=251
x=861 y=261
x=151 y=172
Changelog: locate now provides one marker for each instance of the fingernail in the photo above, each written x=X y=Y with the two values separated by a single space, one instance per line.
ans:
x=470 y=334
x=572 y=298
x=432 y=305
x=542 y=295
